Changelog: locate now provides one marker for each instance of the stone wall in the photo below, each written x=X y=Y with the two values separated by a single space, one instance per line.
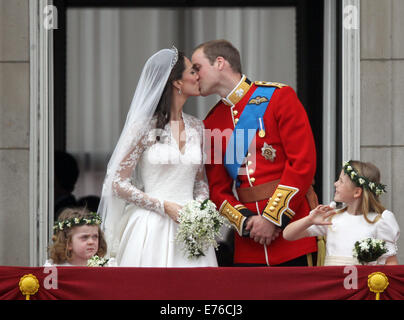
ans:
x=382 y=97
x=14 y=132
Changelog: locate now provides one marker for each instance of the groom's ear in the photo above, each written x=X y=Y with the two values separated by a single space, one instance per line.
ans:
x=220 y=62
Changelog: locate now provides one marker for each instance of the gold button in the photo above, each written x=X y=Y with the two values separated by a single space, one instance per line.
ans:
x=252 y=179
x=277 y=199
x=236 y=120
x=249 y=163
x=249 y=154
x=275 y=203
x=279 y=195
x=235 y=112
x=271 y=208
x=250 y=171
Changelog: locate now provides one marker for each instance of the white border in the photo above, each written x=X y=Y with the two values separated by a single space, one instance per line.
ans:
x=41 y=137
x=41 y=112
x=351 y=84
x=329 y=99
x=350 y=52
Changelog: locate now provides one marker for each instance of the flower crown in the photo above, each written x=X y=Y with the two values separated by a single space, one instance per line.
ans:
x=363 y=182
x=91 y=219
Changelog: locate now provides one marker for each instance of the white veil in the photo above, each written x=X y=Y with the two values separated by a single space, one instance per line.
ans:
x=144 y=103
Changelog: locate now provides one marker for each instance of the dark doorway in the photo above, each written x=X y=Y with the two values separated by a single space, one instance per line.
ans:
x=309 y=39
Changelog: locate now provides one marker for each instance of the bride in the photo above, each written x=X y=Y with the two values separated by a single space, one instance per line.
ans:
x=156 y=167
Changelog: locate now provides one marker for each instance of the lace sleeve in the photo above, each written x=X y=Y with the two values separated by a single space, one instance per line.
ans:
x=123 y=186
x=201 y=187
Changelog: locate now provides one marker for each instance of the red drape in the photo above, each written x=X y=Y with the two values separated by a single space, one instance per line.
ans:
x=291 y=283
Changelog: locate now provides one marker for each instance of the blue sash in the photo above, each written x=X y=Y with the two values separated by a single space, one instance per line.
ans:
x=246 y=129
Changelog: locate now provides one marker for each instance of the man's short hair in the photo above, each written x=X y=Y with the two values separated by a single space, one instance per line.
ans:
x=222 y=48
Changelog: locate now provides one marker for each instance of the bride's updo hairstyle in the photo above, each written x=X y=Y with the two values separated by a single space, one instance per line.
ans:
x=164 y=106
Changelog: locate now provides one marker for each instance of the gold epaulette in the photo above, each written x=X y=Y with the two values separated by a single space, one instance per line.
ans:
x=277 y=209
x=233 y=215
x=270 y=84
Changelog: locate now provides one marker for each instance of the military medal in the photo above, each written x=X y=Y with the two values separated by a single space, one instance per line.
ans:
x=261 y=133
x=268 y=152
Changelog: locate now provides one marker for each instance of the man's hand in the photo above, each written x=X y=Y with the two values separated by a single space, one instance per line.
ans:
x=262 y=230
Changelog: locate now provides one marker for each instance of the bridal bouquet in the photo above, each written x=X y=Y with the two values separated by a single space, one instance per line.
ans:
x=96 y=261
x=368 y=250
x=199 y=225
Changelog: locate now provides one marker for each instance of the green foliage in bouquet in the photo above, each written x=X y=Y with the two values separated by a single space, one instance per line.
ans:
x=199 y=226
x=368 y=250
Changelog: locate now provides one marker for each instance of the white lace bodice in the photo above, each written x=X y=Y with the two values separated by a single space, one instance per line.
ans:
x=155 y=171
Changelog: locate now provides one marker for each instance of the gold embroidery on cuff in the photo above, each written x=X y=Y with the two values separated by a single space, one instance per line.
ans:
x=233 y=215
x=278 y=204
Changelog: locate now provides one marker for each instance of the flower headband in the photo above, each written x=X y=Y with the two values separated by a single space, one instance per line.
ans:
x=363 y=182
x=91 y=219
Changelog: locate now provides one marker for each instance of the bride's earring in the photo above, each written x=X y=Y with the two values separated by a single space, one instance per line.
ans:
x=179 y=92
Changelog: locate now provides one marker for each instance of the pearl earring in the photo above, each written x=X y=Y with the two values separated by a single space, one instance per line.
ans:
x=179 y=92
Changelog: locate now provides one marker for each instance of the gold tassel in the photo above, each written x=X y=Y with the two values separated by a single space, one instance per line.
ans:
x=320 y=251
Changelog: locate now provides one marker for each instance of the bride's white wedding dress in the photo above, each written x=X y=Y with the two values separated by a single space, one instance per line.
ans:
x=155 y=171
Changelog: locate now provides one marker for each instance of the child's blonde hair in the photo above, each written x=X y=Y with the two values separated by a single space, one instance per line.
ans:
x=370 y=201
x=59 y=251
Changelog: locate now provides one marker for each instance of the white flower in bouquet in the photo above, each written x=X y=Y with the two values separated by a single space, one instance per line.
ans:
x=364 y=246
x=199 y=226
x=96 y=261
x=369 y=249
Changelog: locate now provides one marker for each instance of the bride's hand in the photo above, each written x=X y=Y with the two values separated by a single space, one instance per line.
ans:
x=171 y=209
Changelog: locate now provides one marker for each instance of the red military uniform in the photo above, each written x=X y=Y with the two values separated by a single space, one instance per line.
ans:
x=284 y=156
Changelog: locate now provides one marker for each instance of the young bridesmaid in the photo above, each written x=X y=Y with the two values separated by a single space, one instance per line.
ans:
x=77 y=238
x=363 y=216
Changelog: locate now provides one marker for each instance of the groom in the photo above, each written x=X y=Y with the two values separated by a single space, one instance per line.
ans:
x=271 y=169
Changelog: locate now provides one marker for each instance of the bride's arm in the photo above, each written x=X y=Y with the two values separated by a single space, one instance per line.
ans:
x=201 y=186
x=123 y=187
